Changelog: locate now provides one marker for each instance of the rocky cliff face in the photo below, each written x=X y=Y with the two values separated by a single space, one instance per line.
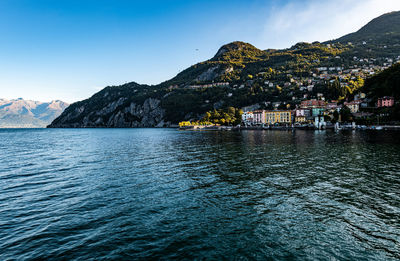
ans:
x=116 y=114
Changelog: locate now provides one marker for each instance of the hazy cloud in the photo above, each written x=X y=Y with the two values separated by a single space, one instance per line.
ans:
x=313 y=20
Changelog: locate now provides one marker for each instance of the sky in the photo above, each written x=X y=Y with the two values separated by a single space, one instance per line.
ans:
x=70 y=49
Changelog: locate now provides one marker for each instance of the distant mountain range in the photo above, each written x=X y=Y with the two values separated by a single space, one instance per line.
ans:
x=241 y=75
x=20 y=113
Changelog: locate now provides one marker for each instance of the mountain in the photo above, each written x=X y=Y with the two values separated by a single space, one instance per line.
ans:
x=386 y=83
x=383 y=28
x=379 y=37
x=241 y=75
x=20 y=113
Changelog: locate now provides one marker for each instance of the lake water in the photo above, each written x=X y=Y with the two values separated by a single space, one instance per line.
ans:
x=103 y=194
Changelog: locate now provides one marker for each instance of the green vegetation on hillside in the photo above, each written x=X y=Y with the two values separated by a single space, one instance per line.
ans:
x=228 y=116
x=386 y=83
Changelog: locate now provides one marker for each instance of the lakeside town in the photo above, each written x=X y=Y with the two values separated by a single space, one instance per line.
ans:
x=317 y=114
x=329 y=94
x=311 y=114
x=312 y=110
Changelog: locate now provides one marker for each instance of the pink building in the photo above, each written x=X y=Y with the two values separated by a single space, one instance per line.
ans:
x=259 y=117
x=385 y=102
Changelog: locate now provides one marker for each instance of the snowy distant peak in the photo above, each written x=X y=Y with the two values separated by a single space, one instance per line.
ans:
x=22 y=113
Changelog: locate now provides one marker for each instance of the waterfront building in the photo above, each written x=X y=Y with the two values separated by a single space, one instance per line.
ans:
x=247 y=117
x=273 y=117
x=301 y=115
x=259 y=117
x=318 y=111
x=319 y=122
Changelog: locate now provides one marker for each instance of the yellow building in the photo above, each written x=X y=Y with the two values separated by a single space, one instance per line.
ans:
x=273 y=117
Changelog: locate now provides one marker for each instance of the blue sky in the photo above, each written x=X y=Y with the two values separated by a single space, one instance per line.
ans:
x=70 y=49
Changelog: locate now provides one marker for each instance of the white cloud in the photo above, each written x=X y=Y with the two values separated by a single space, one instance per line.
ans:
x=314 y=20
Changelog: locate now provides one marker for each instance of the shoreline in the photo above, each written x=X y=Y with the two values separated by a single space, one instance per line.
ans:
x=292 y=128
x=231 y=128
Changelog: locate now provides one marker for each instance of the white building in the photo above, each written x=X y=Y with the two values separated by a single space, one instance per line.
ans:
x=247 y=117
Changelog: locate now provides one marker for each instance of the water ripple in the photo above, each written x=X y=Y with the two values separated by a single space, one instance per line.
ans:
x=166 y=194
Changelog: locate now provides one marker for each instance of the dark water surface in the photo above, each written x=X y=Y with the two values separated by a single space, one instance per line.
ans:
x=101 y=194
